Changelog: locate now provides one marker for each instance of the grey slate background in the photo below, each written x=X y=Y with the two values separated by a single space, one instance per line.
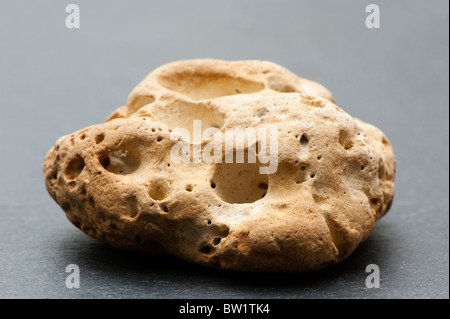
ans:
x=54 y=81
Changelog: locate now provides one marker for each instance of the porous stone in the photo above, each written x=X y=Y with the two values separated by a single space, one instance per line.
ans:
x=117 y=181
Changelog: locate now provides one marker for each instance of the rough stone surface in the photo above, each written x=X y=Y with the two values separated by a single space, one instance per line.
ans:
x=116 y=181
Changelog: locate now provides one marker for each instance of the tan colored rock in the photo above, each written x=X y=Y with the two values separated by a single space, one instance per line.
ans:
x=118 y=183
x=206 y=79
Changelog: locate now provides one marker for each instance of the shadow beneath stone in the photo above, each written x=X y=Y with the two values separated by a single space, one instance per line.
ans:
x=150 y=275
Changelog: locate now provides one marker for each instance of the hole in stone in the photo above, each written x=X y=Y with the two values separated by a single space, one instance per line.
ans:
x=121 y=162
x=355 y=167
x=72 y=184
x=206 y=249
x=99 y=138
x=83 y=136
x=225 y=232
x=209 y=222
x=313 y=175
x=132 y=206
x=105 y=161
x=213 y=185
x=319 y=157
x=303 y=140
x=164 y=208
x=217 y=241
x=200 y=84
x=74 y=167
x=345 y=139
x=240 y=182
x=159 y=139
x=189 y=188
x=302 y=174
x=374 y=201
x=158 y=190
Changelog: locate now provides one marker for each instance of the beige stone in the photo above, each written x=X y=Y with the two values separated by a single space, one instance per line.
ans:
x=117 y=182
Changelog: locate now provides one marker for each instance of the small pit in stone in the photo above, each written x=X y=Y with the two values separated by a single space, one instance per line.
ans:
x=302 y=174
x=99 y=138
x=304 y=145
x=304 y=140
x=132 y=206
x=206 y=249
x=74 y=167
x=164 y=208
x=158 y=189
x=345 y=139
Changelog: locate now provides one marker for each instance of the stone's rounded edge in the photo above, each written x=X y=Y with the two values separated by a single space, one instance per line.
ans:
x=119 y=113
x=387 y=165
x=200 y=76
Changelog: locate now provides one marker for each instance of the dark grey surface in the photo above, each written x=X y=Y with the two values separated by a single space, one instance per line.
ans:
x=54 y=81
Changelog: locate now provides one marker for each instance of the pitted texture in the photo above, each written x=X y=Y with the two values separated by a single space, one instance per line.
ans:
x=117 y=182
